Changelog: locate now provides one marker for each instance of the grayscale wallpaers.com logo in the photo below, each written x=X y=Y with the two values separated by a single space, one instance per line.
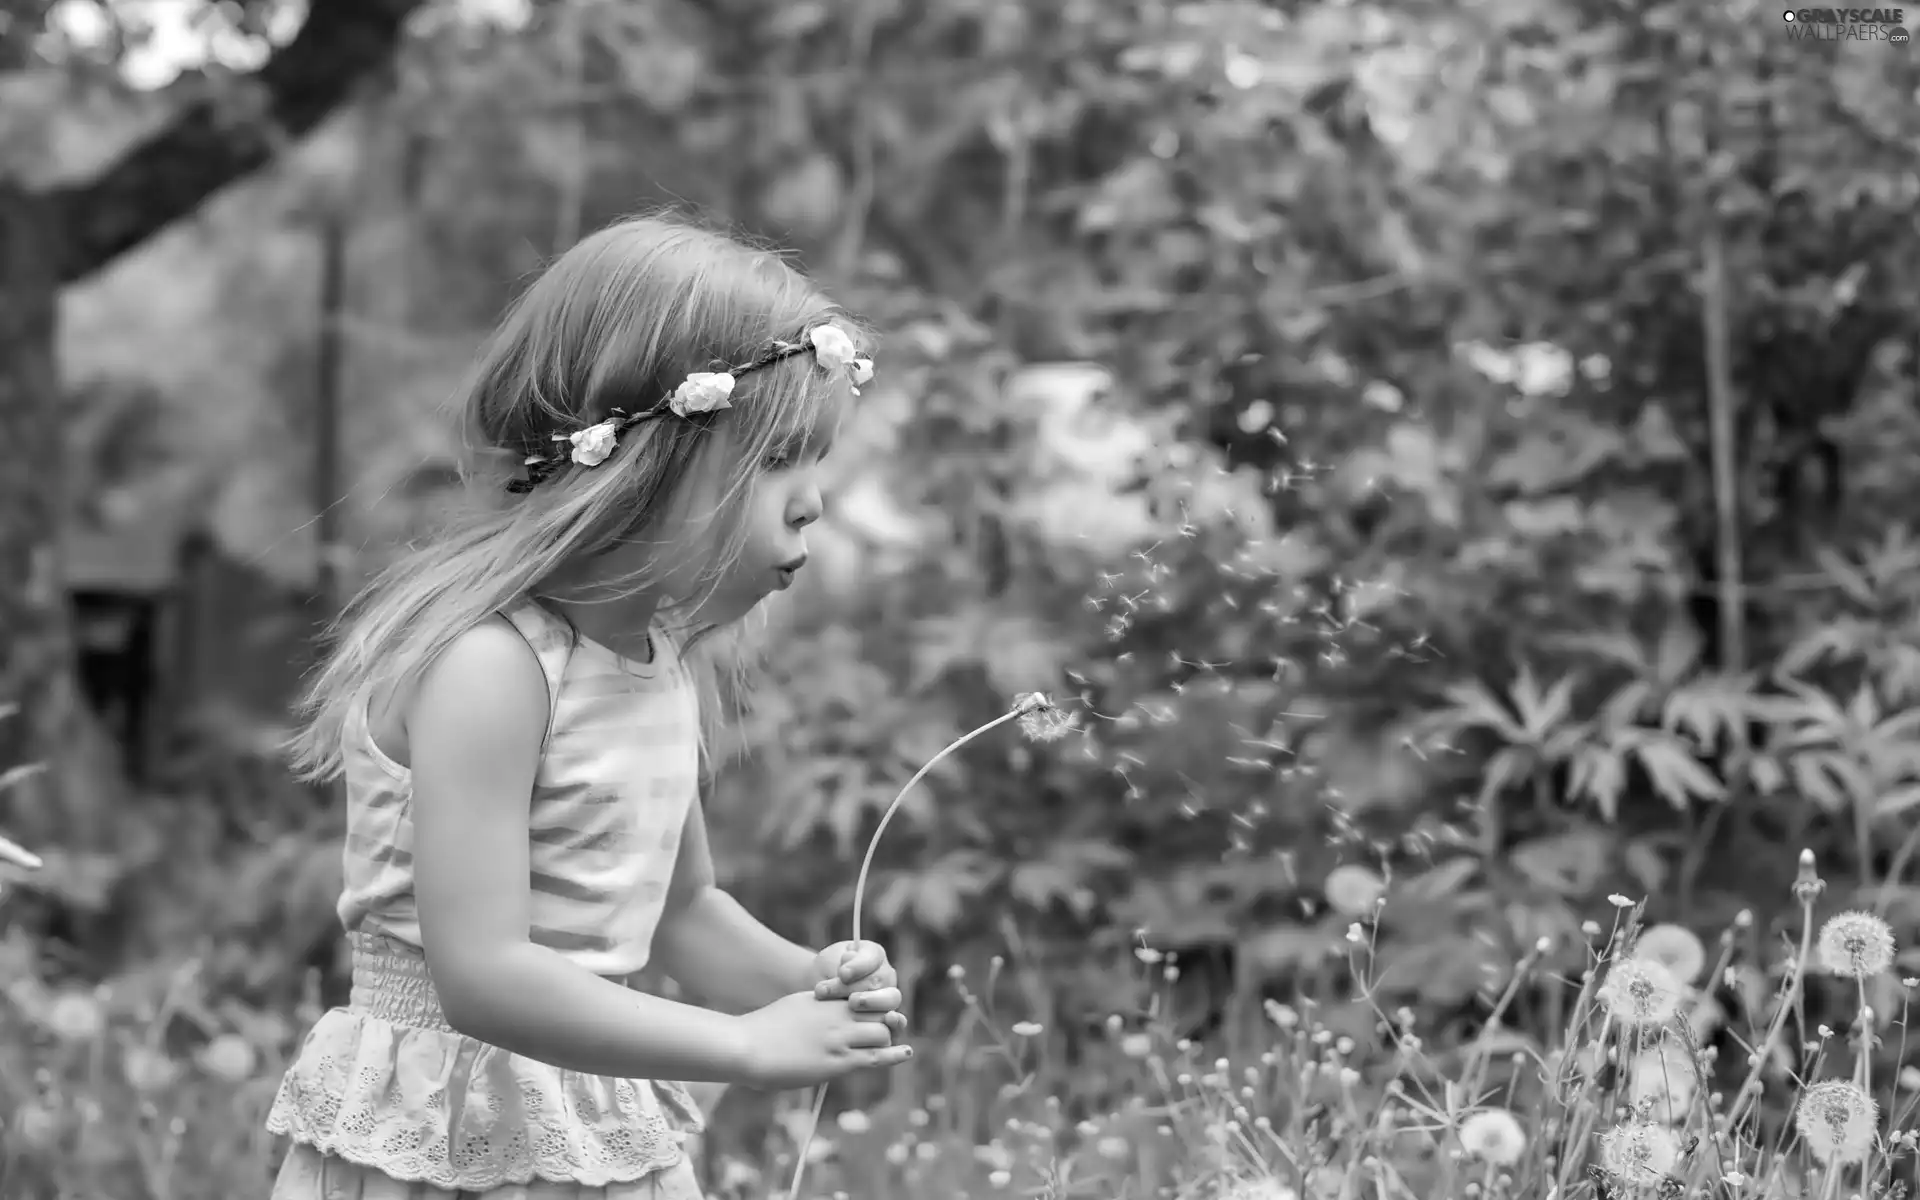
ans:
x=1847 y=24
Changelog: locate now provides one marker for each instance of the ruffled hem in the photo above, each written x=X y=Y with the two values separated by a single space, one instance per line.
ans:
x=432 y=1106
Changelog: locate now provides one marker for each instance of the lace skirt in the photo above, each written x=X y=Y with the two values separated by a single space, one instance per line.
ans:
x=308 y=1174
x=386 y=1101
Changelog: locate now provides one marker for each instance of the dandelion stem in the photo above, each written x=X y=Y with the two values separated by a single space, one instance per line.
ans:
x=1789 y=1002
x=873 y=843
x=1020 y=708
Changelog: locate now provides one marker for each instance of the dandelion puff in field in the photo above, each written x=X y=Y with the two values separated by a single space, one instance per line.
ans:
x=1640 y=992
x=1661 y=1082
x=1492 y=1135
x=1858 y=945
x=1639 y=1153
x=1352 y=890
x=1837 y=1120
x=1674 y=947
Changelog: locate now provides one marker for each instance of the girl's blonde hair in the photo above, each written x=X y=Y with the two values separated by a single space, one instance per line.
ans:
x=616 y=322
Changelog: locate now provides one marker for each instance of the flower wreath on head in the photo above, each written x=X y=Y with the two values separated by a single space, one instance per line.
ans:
x=699 y=393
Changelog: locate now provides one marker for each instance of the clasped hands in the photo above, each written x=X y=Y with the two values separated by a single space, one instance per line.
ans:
x=859 y=973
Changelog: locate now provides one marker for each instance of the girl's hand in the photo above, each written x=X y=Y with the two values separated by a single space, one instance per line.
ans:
x=848 y=967
x=799 y=1041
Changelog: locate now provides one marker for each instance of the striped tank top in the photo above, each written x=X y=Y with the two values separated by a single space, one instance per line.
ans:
x=616 y=781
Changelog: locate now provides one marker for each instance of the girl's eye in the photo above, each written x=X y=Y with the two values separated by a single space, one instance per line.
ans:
x=776 y=462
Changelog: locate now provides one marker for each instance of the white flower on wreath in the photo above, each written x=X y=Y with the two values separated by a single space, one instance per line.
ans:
x=592 y=445
x=862 y=371
x=703 y=391
x=832 y=347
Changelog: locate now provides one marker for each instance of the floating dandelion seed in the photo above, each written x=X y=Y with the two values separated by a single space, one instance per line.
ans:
x=1492 y=1135
x=1674 y=947
x=1837 y=1121
x=1638 y=1153
x=1858 y=945
x=1640 y=992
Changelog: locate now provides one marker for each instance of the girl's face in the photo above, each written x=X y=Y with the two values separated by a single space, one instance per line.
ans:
x=782 y=501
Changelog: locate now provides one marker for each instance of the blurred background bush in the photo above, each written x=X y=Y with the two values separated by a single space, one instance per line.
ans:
x=1466 y=440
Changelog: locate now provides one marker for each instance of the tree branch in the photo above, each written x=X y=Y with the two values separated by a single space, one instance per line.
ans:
x=203 y=149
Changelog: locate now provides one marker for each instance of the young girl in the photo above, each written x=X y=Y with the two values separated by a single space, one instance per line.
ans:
x=513 y=708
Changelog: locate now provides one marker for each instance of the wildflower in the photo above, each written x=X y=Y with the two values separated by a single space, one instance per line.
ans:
x=1353 y=890
x=737 y=1176
x=1808 y=885
x=1837 y=1120
x=228 y=1058
x=1619 y=901
x=1026 y=1029
x=76 y=1017
x=1639 y=992
x=1138 y=1045
x=1492 y=1135
x=854 y=1121
x=898 y=1153
x=1638 y=1153
x=1858 y=945
x=1674 y=947
x=149 y=1070
x=1114 y=1147
x=37 y=1126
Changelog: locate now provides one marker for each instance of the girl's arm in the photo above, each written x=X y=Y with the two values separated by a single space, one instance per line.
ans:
x=474 y=736
x=715 y=948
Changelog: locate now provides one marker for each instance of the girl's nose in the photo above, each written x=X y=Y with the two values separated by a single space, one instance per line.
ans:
x=805 y=507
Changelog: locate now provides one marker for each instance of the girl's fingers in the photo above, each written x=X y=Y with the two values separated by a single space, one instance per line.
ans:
x=834 y=989
x=893 y=1056
x=896 y=1023
x=19 y=855
x=869 y=1035
x=860 y=961
x=883 y=1000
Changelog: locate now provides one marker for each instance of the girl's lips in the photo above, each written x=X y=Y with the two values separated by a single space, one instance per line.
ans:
x=787 y=570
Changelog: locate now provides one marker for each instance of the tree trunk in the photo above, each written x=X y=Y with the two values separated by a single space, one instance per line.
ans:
x=35 y=672
x=56 y=236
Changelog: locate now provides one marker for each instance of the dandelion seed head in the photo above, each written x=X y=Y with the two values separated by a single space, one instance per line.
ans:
x=1837 y=1120
x=1640 y=992
x=1493 y=1135
x=1046 y=723
x=1858 y=945
x=1639 y=1153
x=1674 y=947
